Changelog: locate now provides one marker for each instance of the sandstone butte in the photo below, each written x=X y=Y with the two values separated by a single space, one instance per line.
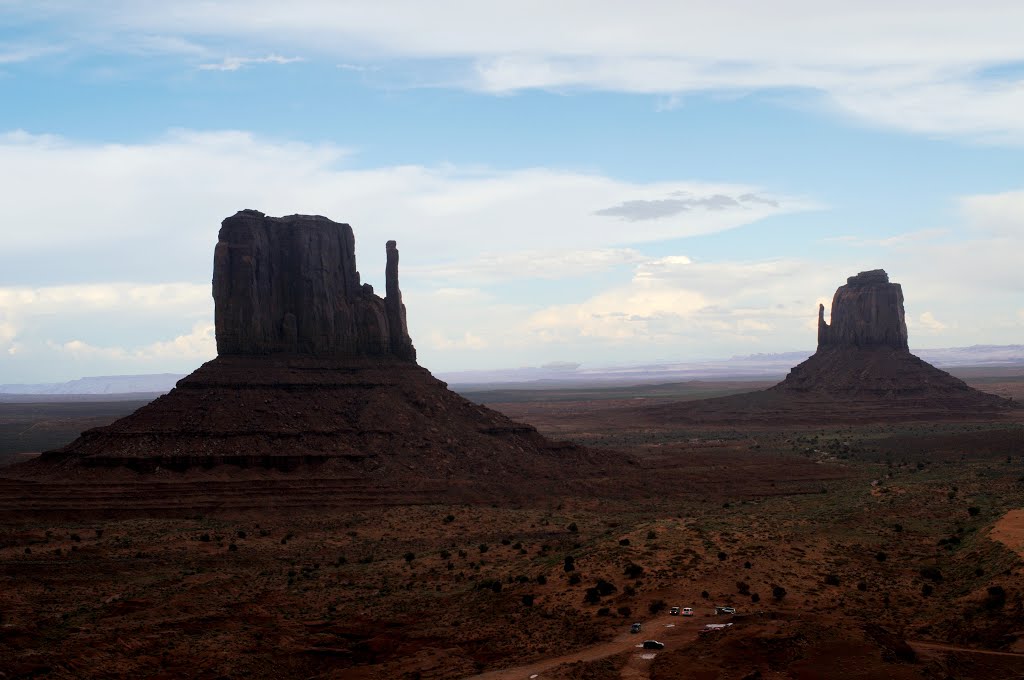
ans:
x=862 y=371
x=316 y=377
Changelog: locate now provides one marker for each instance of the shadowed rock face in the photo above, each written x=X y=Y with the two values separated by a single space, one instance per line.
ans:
x=290 y=284
x=866 y=312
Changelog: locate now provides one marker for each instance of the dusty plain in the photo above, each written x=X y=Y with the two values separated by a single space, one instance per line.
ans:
x=860 y=550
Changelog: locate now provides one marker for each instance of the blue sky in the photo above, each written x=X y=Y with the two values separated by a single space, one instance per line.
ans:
x=595 y=182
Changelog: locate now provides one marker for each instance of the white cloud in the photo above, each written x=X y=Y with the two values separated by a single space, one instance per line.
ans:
x=235 y=63
x=197 y=345
x=999 y=214
x=927 y=322
x=671 y=301
x=25 y=301
x=529 y=264
x=925 y=67
x=467 y=340
x=171 y=194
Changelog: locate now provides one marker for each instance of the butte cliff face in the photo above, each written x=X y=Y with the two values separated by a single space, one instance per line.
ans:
x=315 y=379
x=290 y=284
x=866 y=312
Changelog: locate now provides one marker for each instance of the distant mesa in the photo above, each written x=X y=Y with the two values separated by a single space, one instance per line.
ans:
x=316 y=375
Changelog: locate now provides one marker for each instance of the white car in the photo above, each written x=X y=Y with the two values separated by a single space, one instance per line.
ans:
x=687 y=611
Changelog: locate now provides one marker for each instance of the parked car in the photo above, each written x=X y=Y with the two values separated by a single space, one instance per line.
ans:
x=674 y=611
x=635 y=628
x=653 y=644
x=714 y=628
x=725 y=610
x=687 y=611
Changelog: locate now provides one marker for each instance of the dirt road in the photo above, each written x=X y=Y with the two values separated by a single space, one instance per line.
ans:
x=1009 y=531
x=674 y=631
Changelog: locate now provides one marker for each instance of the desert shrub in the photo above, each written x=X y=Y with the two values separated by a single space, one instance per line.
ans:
x=656 y=606
x=573 y=528
x=747 y=565
x=931 y=573
x=974 y=511
x=99 y=533
x=444 y=554
x=754 y=597
x=995 y=599
x=528 y=600
x=778 y=592
x=705 y=594
x=232 y=547
x=463 y=554
x=542 y=579
x=605 y=588
x=897 y=528
x=624 y=541
x=624 y=611
x=506 y=541
x=979 y=572
x=522 y=578
x=862 y=586
x=341 y=560
x=881 y=556
x=205 y=538
x=483 y=547
x=517 y=546
x=633 y=570
x=742 y=587
x=75 y=537
x=575 y=579
x=651 y=535
x=409 y=556
x=604 y=611
x=831 y=580
x=927 y=589
x=592 y=596
x=629 y=591
x=449 y=519
x=722 y=557
x=489 y=584
x=264 y=533
x=569 y=564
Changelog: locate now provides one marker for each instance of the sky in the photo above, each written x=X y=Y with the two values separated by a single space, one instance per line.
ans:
x=588 y=182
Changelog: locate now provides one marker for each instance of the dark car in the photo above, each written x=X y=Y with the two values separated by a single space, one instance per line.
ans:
x=725 y=610
x=635 y=628
x=653 y=644
x=674 y=611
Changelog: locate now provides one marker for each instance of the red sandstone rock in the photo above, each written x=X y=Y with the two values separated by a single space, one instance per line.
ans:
x=866 y=312
x=290 y=284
